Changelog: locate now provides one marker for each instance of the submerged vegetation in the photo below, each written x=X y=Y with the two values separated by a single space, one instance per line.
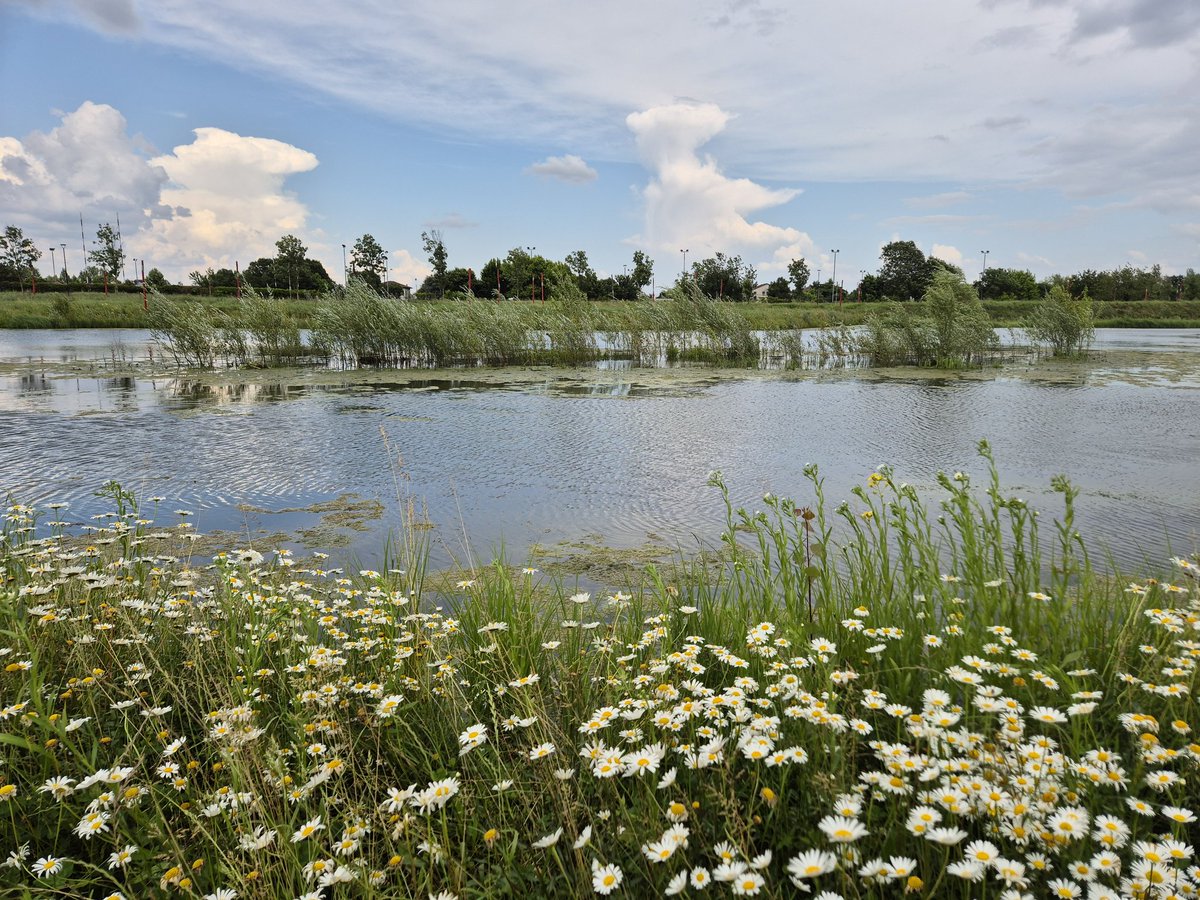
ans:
x=873 y=698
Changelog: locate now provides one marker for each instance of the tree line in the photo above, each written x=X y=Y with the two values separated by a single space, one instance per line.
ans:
x=905 y=273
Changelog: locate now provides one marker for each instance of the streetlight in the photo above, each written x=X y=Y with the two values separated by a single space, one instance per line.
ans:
x=684 y=252
x=862 y=273
x=53 y=264
x=68 y=274
x=833 y=283
x=345 y=270
x=985 y=256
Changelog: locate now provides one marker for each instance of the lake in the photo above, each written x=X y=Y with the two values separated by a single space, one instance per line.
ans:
x=620 y=456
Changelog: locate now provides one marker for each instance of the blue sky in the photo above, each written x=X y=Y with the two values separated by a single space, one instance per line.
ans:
x=1057 y=134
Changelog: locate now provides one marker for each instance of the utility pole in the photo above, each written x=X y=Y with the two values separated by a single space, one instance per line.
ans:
x=684 y=252
x=985 y=256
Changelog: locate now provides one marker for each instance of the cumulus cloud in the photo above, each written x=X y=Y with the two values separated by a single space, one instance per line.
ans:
x=947 y=253
x=232 y=188
x=220 y=198
x=690 y=203
x=89 y=164
x=406 y=268
x=569 y=168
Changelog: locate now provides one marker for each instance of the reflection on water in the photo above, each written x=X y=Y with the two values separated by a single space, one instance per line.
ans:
x=547 y=455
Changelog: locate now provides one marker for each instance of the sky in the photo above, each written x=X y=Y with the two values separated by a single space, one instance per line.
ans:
x=1057 y=135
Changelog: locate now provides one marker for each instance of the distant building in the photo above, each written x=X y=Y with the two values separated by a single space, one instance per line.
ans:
x=760 y=291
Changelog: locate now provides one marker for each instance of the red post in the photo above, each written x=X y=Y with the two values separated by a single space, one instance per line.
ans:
x=497 y=284
x=237 y=279
x=470 y=281
x=145 y=304
x=542 y=276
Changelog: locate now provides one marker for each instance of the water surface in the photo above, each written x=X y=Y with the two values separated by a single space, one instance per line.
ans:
x=513 y=457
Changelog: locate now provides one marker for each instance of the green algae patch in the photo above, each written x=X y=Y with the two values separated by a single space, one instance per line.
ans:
x=589 y=558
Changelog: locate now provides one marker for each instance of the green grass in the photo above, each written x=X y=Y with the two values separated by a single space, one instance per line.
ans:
x=886 y=658
x=95 y=310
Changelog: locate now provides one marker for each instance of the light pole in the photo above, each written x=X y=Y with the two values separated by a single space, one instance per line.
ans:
x=345 y=271
x=833 y=283
x=65 y=272
x=862 y=273
x=684 y=252
x=985 y=256
x=53 y=264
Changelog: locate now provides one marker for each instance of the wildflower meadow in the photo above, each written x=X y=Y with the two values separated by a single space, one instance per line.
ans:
x=894 y=695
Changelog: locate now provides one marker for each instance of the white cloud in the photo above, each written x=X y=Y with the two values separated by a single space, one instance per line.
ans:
x=88 y=164
x=407 y=269
x=1057 y=69
x=568 y=168
x=230 y=191
x=690 y=203
x=218 y=199
x=947 y=253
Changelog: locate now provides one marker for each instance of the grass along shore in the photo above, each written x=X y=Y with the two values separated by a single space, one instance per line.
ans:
x=874 y=698
x=96 y=310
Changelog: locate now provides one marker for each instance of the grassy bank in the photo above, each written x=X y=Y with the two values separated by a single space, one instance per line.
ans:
x=946 y=700
x=94 y=310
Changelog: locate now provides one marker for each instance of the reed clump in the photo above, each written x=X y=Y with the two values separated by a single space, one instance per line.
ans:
x=874 y=697
x=949 y=328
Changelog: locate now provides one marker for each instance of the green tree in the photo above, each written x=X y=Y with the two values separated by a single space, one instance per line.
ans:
x=585 y=275
x=18 y=254
x=202 y=279
x=725 y=277
x=778 y=289
x=156 y=279
x=1007 y=284
x=108 y=256
x=367 y=260
x=435 y=249
x=260 y=273
x=643 y=271
x=798 y=271
x=905 y=274
x=289 y=260
x=494 y=279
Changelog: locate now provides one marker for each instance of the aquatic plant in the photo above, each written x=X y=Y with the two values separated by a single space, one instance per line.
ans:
x=875 y=697
x=948 y=328
x=1066 y=323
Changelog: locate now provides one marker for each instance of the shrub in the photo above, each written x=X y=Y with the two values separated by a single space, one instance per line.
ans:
x=1063 y=322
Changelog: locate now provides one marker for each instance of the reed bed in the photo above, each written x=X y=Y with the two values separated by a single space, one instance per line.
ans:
x=362 y=328
x=883 y=696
